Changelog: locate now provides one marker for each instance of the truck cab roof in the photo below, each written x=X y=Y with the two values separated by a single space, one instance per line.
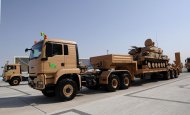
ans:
x=61 y=41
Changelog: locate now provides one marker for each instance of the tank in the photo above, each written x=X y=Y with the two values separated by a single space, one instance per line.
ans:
x=149 y=56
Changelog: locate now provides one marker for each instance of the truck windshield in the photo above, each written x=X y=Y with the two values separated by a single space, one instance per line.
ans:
x=10 y=67
x=36 y=50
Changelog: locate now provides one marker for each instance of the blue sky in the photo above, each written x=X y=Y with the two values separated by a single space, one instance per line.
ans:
x=96 y=25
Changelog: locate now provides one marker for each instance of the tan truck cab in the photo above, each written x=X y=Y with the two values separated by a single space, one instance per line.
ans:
x=12 y=74
x=53 y=68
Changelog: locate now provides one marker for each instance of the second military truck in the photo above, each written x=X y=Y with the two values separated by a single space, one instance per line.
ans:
x=54 y=68
x=12 y=74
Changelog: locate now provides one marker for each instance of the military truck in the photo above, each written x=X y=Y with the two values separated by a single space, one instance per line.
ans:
x=12 y=74
x=54 y=69
x=187 y=64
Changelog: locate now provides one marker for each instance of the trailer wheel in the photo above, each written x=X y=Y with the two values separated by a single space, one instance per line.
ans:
x=15 y=81
x=176 y=73
x=66 y=89
x=113 y=83
x=125 y=81
x=48 y=93
x=172 y=74
x=167 y=75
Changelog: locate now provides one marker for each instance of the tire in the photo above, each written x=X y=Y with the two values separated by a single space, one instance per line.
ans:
x=113 y=83
x=166 y=75
x=14 y=81
x=66 y=89
x=48 y=93
x=188 y=70
x=171 y=74
x=125 y=81
x=176 y=73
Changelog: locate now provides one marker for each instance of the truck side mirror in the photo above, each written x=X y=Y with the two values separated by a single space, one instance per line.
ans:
x=26 y=50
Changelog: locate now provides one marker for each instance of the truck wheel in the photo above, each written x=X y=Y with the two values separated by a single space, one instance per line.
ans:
x=188 y=70
x=66 y=89
x=48 y=93
x=125 y=81
x=113 y=83
x=167 y=75
x=15 y=81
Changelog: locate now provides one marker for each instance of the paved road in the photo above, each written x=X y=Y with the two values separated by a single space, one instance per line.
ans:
x=145 y=97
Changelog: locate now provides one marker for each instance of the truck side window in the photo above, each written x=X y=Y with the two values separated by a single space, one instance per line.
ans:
x=48 y=50
x=57 y=49
x=53 y=49
x=11 y=67
x=66 y=51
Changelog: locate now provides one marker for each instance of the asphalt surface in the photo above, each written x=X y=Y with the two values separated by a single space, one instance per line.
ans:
x=144 y=97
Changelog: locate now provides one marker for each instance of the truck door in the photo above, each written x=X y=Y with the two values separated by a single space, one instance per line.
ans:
x=55 y=57
x=10 y=70
x=70 y=56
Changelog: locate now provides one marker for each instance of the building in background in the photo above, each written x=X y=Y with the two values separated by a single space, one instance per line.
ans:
x=23 y=61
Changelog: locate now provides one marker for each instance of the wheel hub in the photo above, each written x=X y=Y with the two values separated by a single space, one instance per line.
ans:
x=15 y=81
x=68 y=90
x=126 y=81
x=114 y=83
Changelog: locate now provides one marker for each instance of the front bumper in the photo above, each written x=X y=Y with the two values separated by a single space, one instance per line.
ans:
x=37 y=82
x=6 y=78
